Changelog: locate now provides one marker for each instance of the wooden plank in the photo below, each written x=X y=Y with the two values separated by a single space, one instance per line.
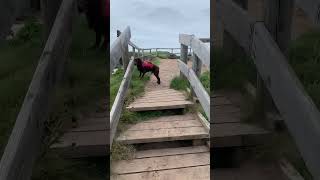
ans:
x=201 y=50
x=172 y=118
x=161 y=135
x=165 y=125
x=171 y=151
x=204 y=121
x=161 y=98
x=119 y=100
x=185 y=39
x=218 y=101
x=189 y=173
x=183 y=56
x=158 y=99
x=196 y=86
x=234 y=129
x=83 y=139
x=24 y=143
x=198 y=47
x=159 y=106
x=311 y=8
x=118 y=47
x=161 y=163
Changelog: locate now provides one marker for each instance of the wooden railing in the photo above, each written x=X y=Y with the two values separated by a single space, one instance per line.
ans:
x=119 y=49
x=298 y=110
x=201 y=55
x=28 y=132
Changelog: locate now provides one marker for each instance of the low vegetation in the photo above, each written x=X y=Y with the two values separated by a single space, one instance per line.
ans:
x=19 y=58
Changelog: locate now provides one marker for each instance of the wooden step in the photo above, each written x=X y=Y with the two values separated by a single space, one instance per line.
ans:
x=185 y=163
x=237 y=134
x=90 y=137
x=160 y=100
x=83 y=144
x=166 y=128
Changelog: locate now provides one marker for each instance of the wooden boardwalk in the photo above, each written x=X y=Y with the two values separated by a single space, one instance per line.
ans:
x=165 y=162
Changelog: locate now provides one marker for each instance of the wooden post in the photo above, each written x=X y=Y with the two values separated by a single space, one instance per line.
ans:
x=183 y=56
x=278 y=19
x=125 y=57
x=134 y=51
x=196 y=66
x=157 y=52
x=138 y=52
x=150 y=51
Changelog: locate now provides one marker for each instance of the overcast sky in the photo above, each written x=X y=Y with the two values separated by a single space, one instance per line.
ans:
x=157 y=23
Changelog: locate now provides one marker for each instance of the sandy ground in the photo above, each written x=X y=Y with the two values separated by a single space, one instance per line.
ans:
x=168 y=70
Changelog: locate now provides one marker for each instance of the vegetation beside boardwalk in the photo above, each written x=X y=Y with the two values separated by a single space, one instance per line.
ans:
x=19 y=58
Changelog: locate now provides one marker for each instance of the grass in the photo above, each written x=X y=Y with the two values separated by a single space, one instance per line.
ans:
x=179 y=83
x=19 y=59
x=231 y=72
x=304 y=58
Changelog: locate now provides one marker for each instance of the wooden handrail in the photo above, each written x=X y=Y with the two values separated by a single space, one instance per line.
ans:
x=297 y=108
x=201 y=54
x=198 y=47
x=119 y=47
x=26 y=138
x=119 y=101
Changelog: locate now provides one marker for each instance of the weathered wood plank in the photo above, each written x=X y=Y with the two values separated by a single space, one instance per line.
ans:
x=118 y=47
x=161 y=135
x=234 y=129
x=165 y=125
x=189 y=173
x=24 y=143
x=119 y=100
x=196 y=86
x=201 y=50
x=198 y=47
x=171 y=151
x=159 y=105
x=204 y=121
x=161 y=163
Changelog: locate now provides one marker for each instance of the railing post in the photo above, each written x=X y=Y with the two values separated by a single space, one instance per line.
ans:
x=134 y=51
x=183 y=56
x=125 y=57
x=278 y=18
x=138 y=52
x=196 y=67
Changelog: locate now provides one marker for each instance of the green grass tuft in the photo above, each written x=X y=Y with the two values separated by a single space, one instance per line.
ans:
x=179 y=83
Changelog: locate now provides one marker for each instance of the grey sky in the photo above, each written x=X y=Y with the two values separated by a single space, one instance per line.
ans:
x=157 y=23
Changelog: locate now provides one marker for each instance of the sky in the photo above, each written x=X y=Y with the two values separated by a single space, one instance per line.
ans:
x=157 y=23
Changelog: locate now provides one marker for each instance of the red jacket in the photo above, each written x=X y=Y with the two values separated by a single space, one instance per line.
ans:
x=147 y=65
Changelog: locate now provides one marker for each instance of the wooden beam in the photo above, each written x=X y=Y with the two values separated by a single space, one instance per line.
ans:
x=183 y=56
x=119 y=100
x=196 y=86
x=198 y=47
